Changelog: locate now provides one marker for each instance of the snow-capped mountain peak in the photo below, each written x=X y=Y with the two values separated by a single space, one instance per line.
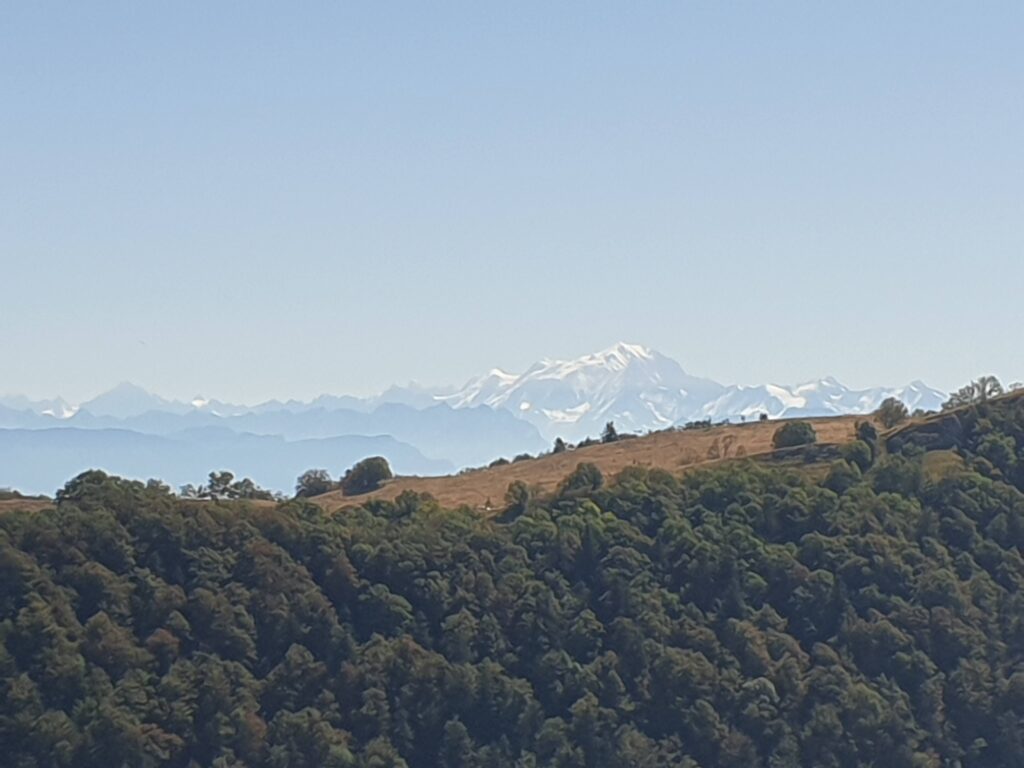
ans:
x=501 y=375
x=639 y=389
x=616 y=357
x=630 y=383
x=825 y=397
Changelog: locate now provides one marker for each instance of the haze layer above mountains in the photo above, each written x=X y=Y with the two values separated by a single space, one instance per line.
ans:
x=132 y=432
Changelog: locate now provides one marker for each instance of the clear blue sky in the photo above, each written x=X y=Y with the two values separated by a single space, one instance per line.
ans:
x=250 y=199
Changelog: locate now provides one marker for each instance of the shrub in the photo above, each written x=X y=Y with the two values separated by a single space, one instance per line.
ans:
x=842 y=476
x=897 y=474
x=794 y=433
x=859 y=453
x=868 y=435
x=703 y=424
x=586 y=478
x=366 y=476
x=892 y=412
x=313 y=482
x=866 y=431
x=517 y=499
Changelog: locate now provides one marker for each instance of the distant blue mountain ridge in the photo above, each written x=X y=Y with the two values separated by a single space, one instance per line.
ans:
x=135 y=433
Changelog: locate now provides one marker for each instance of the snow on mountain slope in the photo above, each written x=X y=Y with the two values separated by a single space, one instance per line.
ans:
x=57 y=408
x=826 y=397
x=640 y=389
x=635 y=386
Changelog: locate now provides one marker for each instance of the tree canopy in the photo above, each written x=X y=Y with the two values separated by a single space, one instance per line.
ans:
x=978 y=391
x=743 y=615
x=223 y=485
x=366 y=476
x=891 y=412
x=794 y=433
x=313 y=482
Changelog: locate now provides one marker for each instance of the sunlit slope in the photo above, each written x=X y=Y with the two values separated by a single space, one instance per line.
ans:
x=674 y=451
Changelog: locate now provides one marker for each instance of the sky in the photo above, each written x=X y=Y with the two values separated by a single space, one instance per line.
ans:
x=250 y=200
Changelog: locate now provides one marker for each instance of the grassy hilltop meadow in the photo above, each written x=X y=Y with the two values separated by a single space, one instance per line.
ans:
x=670 y=600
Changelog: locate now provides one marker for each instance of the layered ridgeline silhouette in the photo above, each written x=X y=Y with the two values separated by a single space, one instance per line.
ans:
x=420 y=430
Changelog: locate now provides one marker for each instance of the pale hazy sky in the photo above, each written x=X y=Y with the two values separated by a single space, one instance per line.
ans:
x=249 y=200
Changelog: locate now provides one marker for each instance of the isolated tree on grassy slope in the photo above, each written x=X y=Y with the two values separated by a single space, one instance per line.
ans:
x=366 y=476
x=794 y=433
x=313 y=482
x=891 y=412
x=979 y=391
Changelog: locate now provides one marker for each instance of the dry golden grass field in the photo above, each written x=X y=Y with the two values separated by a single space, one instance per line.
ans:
x=675 y=451
x=30 y=505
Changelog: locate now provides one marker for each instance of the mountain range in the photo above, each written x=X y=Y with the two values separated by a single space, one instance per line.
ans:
x=133 y=432
x=640 y=389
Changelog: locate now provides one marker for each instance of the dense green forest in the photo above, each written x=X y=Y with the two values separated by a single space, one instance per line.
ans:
x=867 y=614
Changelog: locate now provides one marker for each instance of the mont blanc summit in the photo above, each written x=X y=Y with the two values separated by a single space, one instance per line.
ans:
x=641 y=389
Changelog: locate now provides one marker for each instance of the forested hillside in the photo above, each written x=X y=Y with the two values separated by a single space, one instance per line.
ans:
x=744 y=615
